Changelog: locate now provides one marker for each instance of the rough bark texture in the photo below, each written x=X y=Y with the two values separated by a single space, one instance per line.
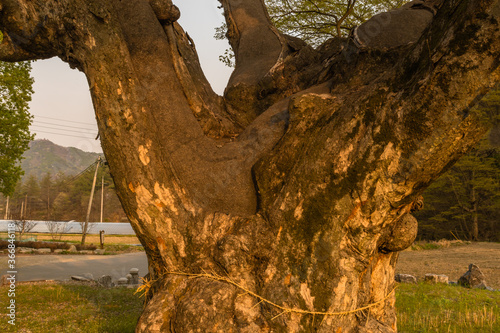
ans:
x=298 y=184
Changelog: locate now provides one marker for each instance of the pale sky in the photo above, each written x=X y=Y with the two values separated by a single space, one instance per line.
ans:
x=61 y=104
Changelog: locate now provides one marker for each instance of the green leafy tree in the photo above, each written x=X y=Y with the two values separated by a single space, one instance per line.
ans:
x=32 y=202
x=15 y=93
x=318 y=20
x=465 y=201
x=47 y=193
x=315 y=21
x=64 y=197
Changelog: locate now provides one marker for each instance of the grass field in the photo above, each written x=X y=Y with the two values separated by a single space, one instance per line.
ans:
x=74 y=308
x=442 y=308
x=71 y=308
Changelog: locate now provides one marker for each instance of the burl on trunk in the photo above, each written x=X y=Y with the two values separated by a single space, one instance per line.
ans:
x=280 y=206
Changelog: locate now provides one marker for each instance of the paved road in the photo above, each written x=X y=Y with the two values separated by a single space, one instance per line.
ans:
x=62 y=267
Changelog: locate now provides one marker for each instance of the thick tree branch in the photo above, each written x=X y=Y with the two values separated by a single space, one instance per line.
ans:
x=207 y=106
x=255 y=41
x=349 y=10
x=417 y=113
x=10 y=51
x=257 y=46
x=24 y=31
x=144 y=79
x=306 y=206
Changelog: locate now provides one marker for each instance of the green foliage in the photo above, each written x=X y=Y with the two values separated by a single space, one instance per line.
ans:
x=442 y=308
x=318 y=20
x=465 y=201
x=15 y=94
x=466 y=195
x=315 y=21
x=488 y=109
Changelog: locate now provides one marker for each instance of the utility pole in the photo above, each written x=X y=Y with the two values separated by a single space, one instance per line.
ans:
x=102 y=196
x=6 y=217
x=86 y=225
x=48 y=202
x=25 y=206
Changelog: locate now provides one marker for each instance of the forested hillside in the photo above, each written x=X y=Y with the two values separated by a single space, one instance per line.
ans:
x=57 y=185
x=44 y=156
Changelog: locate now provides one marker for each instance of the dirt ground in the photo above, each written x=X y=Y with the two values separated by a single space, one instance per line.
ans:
x=453 y=262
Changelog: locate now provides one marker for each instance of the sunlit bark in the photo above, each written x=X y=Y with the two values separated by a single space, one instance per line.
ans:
x=296 y=186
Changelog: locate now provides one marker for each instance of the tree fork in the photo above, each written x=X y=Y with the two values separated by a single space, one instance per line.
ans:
x=309 y=204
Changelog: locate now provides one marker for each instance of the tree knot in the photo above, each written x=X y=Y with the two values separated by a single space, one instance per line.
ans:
x=166 y=12
x=401 y=236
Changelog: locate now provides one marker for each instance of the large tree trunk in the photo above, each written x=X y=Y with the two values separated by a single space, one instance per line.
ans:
x=281 y=206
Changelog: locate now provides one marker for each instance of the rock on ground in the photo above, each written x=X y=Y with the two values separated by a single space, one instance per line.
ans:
x=472 y=278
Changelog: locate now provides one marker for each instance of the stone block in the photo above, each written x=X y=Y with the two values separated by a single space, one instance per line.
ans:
x=134 y=272
x=43 y=250
x=122 y=281
x=405 y=278
x=436 y=278
x=105 y=281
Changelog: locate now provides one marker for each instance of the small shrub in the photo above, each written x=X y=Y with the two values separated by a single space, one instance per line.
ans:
x=35 y=245
x=90 y=247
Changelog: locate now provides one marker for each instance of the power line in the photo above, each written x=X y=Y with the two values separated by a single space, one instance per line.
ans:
x=63 y=125
x=82 y=131
x=75 y=136
x=81 y=173
x=69 y=121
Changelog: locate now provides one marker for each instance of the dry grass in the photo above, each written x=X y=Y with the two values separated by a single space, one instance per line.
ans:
x=434 y=245
x=91 y=239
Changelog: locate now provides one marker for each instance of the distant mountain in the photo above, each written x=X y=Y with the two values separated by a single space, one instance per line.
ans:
x=45 y=156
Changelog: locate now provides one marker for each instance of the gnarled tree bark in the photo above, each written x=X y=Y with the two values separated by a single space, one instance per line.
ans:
x=297 y=185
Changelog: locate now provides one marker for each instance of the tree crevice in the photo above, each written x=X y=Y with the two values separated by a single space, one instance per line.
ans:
x=299 y=182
